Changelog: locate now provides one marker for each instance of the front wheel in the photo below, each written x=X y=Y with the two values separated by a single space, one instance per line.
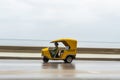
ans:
x=45 y=60
x=68 y=59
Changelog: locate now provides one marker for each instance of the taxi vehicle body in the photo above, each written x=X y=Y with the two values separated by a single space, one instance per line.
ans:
x=67 y=53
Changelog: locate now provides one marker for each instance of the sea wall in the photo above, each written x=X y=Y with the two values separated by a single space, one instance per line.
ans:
x=31 y=49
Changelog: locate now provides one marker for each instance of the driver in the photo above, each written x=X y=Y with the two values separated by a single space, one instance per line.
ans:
x=56 y=50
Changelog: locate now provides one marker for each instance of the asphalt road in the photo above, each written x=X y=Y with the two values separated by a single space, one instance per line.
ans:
x=58 y=70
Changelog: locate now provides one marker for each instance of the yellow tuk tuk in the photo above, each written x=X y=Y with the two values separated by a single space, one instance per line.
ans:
x=66 y=53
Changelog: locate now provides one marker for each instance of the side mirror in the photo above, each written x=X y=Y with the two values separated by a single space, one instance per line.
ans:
x=67 y=47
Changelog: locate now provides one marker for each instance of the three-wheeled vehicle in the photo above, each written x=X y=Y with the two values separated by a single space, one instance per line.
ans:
x=67 y=53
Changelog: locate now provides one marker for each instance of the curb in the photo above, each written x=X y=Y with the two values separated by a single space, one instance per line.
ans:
x=100 y=59
x=40 y=58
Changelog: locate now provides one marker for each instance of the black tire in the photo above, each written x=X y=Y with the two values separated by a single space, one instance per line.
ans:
x=68 y=59
x=45 y=60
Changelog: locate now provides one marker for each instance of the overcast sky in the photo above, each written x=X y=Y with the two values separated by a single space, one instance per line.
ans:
x=85 y=20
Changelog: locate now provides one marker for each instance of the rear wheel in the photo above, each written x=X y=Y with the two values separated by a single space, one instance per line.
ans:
x=45 y=60
x=68 y=59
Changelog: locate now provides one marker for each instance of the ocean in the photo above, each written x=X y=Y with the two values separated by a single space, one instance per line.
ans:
x=39 y=43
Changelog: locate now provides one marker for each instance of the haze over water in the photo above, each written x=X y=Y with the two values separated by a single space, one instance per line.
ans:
x=47 y=43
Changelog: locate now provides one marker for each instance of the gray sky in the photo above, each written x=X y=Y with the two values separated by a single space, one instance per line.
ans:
x=86 y=20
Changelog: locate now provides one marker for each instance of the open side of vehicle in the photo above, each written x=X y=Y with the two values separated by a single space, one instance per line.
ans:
x=68 y=53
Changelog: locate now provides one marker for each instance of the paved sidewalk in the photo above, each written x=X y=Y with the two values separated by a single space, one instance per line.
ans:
x=14 y=55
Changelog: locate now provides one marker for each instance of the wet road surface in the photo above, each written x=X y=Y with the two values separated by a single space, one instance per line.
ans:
x=58 y=70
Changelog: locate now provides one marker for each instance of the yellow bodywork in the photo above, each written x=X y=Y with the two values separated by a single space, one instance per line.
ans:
x=72 y=43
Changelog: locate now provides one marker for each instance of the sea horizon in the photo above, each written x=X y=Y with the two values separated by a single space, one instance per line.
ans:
x=42 y=43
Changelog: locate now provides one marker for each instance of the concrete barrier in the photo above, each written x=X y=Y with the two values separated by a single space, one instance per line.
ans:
x=99 y=50
x=20 y=49
x=31 y=49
